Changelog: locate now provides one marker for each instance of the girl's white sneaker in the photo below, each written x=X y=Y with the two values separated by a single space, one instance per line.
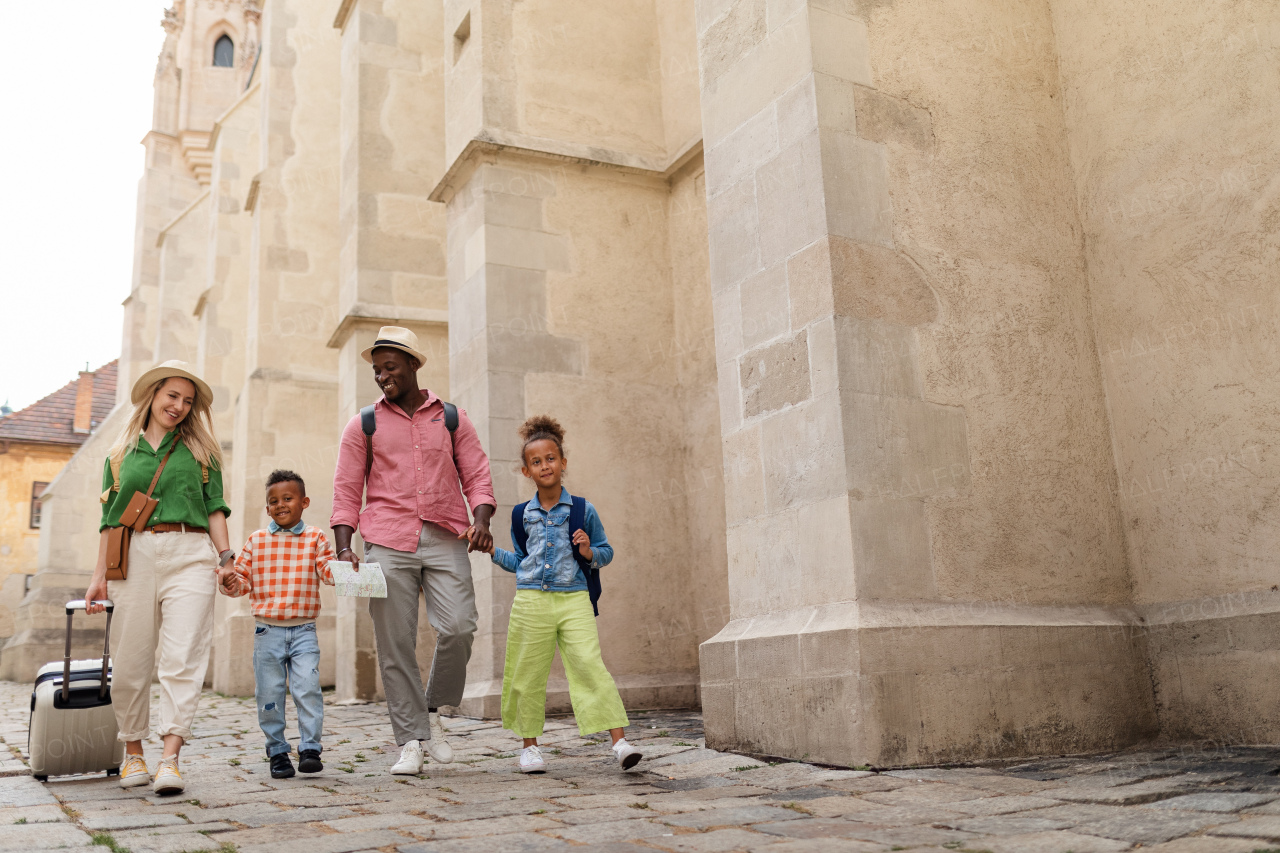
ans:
x=628 y=755
x=531 y=760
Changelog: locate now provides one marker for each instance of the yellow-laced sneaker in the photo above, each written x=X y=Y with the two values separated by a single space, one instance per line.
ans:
x=134 y=771
x=168 y=779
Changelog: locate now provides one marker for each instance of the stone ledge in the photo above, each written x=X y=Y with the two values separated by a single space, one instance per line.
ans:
x=493 y=141
x=376 y=315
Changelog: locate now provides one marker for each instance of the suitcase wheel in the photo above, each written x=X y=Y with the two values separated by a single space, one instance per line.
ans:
x=42 y=778
x=113 y=771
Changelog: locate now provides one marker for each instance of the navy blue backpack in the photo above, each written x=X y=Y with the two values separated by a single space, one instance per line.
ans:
x=577 y=521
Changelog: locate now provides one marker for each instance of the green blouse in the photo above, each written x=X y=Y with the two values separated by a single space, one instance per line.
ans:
x=182 y=496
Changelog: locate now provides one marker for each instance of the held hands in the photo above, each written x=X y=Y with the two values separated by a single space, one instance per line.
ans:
x=479 y=538
x=583 y=541
x=231 y=582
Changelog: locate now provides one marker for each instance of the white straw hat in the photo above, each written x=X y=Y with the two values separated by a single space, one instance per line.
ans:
x=395 y=337
x=164 y=371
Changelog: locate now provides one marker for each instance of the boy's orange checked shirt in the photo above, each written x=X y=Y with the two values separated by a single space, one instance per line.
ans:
x=284 y=571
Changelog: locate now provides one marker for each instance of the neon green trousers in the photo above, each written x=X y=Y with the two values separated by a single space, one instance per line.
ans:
x=541 y=621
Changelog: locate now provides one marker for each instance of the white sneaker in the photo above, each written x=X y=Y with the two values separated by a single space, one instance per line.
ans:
x=410 y=763
x=168 y=779
x=628 y=755
x=438 y=748
x=134 y=771
x=531 y=760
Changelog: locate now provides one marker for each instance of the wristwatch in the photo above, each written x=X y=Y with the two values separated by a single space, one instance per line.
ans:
x=226 y=557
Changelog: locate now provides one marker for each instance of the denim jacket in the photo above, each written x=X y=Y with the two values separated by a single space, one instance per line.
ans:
x=549 y=565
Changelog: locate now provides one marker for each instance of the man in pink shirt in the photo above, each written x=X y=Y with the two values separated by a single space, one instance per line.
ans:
x=415 y=524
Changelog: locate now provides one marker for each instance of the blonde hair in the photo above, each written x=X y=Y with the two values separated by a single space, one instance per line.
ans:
x=195 y=430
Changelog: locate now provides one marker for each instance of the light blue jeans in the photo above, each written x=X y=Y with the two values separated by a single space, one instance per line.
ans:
x=288 y=656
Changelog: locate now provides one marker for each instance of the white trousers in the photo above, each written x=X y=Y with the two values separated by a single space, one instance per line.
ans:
x=164 y=621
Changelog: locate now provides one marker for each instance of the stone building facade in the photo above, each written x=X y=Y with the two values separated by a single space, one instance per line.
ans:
x=921 y=357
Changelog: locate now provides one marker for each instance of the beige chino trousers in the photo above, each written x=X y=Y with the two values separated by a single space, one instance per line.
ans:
x=164 y=621
x=441 y=569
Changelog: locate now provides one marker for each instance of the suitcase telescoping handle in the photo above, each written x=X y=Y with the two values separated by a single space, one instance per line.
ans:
x=72 y=607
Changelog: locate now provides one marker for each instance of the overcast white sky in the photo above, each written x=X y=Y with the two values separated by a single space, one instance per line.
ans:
x=76 y=94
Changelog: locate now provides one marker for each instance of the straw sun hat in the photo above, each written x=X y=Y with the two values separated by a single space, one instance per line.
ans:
x=395 y=337
x=164 y=371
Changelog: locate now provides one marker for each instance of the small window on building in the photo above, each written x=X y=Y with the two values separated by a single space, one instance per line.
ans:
x=37 y=489
x=224 y=53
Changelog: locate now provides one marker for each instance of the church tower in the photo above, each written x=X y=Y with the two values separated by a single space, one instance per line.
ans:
x=208 y=58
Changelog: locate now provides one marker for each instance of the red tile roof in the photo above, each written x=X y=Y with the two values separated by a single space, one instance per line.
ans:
x=50 y=421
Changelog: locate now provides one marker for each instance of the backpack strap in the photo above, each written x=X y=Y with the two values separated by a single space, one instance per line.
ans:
x=578 y=521
x=368 y=425
x=115 y=479
x=519 y=536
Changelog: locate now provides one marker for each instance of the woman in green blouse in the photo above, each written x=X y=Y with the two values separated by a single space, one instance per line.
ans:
x=166 y=603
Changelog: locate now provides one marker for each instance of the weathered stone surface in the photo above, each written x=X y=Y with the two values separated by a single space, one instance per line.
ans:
x=336 y=843
x=621 y=830
x=1052 y=842
x=517 y=843
x=41 y=836
x=131 y=821
x=1251 y=827
x=775 y=376
x=1215 y=802
x=733 y=816
x=481 y=803
x=1147 y=827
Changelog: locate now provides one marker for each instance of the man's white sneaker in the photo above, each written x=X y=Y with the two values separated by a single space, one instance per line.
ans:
x=628 y=755
x=410 y=763
x=438 y=748
x=134 y=771
x=168 y=779
x=531 y=760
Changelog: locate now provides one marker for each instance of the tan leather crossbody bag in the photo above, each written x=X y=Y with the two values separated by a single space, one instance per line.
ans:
x=134 y=518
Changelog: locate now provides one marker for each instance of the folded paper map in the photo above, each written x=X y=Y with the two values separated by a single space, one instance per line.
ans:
x=366 y=583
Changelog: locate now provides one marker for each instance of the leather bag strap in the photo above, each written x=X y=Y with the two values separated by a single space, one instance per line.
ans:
x=160 y=470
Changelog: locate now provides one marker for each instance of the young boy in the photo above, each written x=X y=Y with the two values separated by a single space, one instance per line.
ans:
x=281 y=567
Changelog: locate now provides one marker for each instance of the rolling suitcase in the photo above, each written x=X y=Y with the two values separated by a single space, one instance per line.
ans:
x=73 y=726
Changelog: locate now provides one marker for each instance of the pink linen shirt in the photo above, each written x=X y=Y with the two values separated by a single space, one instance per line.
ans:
x=417 y=466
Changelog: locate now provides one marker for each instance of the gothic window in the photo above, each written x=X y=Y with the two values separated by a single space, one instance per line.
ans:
x=224 y=52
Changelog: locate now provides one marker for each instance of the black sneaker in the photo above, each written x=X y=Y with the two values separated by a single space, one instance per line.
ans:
x=309 y=761
x=281 y=766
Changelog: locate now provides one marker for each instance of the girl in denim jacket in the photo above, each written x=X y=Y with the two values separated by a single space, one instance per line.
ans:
x=552 y=606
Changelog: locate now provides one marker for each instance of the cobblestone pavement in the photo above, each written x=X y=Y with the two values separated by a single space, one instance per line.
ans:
x=682 y=798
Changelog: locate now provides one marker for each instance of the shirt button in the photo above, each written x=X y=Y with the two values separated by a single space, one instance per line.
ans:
x=419 y=491
x=548 y=565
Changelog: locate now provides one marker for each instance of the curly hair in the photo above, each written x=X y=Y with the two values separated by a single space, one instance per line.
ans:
x=281 y=475
x=541 y=428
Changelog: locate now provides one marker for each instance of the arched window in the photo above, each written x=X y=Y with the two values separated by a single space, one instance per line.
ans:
x=224 y=52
